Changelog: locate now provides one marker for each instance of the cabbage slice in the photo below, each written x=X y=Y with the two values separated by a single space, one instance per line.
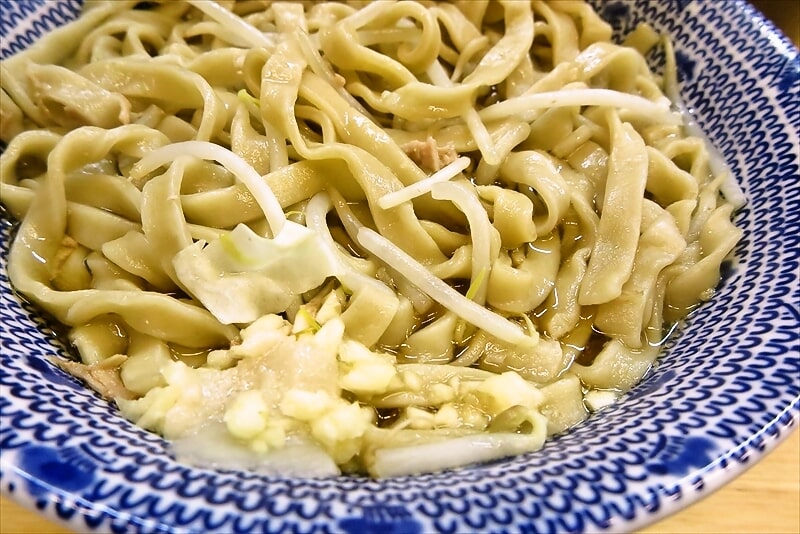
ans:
x=242 y=276
x=213 y=447
x=392 y=453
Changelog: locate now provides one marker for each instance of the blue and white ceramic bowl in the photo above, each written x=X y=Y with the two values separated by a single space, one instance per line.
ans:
x=726 y=391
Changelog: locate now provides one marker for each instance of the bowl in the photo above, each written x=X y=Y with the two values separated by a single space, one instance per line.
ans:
x=724 y=393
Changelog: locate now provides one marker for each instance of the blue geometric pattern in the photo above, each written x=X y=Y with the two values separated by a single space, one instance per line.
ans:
x=726 y=390
x=22 y=22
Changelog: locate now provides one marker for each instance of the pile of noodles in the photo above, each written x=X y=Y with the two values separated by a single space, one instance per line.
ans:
x=484 y=187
